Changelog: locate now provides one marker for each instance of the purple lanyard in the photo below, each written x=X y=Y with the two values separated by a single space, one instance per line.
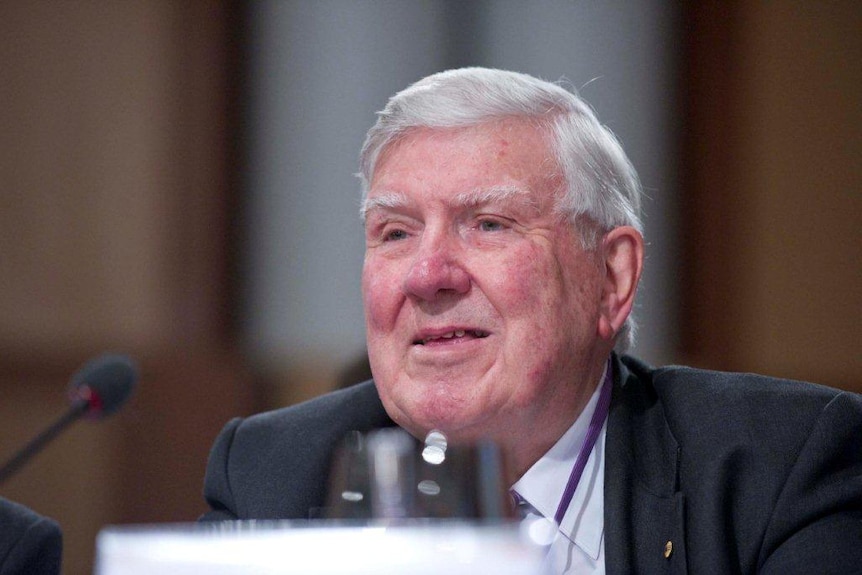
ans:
x=596 y=423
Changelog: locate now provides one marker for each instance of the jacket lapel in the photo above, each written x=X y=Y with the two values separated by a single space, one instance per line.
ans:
x=644 y=510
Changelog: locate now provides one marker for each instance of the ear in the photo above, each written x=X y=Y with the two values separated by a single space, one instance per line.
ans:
x=623 y=252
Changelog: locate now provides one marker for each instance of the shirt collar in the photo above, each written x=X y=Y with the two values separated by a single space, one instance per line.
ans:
x=543 y=484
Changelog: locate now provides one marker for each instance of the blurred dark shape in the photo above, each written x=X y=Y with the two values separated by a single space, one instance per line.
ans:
x=30 y=544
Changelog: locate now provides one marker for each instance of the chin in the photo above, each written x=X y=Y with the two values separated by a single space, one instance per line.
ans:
x=421 y=406
x=457 y=425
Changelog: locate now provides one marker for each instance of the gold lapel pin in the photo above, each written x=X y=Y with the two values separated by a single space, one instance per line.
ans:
x=668 y=549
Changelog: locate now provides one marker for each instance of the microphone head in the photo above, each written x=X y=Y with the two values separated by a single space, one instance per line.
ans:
x=104 y=384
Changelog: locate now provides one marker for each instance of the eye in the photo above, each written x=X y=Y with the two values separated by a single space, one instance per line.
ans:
x=394 y=235
x=490 y=226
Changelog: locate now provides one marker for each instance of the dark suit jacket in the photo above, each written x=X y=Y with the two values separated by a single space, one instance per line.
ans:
x=740 y=473
x=29 y=543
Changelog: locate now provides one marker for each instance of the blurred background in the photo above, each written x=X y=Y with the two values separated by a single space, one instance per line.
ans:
x=177 y=184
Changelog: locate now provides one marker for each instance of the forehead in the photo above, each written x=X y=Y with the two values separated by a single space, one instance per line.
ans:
x=501 y=161
x=505 y=154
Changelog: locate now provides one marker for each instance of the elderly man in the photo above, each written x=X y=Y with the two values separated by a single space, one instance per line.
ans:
x=503 y=254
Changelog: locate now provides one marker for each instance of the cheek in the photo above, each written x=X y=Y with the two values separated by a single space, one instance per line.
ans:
x=529 y=281
x=551 y=295
x=380 y=289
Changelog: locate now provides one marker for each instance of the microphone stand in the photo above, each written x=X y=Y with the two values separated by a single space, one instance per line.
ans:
x=78 y=409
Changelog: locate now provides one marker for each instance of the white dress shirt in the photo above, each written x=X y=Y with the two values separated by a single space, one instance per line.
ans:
x=578 y=544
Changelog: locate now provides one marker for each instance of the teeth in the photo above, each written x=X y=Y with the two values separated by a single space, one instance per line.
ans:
x=456 y=333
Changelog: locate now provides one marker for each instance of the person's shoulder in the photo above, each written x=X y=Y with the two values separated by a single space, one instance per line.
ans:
x=357 y=406
x=253 y=458
x=715 y=405
x=695 y=387
x=29 y=542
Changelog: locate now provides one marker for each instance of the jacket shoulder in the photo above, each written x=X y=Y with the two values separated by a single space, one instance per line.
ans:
x=689 y=395
x=714 y=414
x=29 y=543
x=356 y=407
x=275 y=465
x=760 y=461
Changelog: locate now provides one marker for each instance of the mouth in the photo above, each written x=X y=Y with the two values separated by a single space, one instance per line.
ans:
x=454 y=336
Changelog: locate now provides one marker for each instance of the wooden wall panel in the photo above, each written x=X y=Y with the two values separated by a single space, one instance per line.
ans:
x=774 y=189
x=115 y=233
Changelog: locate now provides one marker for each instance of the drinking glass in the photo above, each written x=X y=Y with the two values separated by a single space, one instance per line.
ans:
x=389 y=475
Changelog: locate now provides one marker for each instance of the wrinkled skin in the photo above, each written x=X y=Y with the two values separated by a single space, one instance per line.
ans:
x=486 y=318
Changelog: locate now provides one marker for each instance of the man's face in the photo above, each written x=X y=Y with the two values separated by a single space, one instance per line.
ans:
x=481 y=305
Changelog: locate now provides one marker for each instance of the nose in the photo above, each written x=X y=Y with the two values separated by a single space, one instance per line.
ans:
x=436 y=270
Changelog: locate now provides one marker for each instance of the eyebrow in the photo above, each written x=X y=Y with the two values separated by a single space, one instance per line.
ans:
x=471 y=199
x=482 y=196
x=386 y=200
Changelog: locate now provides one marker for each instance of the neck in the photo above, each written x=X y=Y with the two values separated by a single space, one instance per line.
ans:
x=523 y=448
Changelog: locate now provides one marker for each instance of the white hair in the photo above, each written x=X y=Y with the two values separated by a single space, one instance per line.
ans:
x=602 y=187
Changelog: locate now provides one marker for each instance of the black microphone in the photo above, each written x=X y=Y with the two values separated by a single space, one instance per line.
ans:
x=97 y=390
